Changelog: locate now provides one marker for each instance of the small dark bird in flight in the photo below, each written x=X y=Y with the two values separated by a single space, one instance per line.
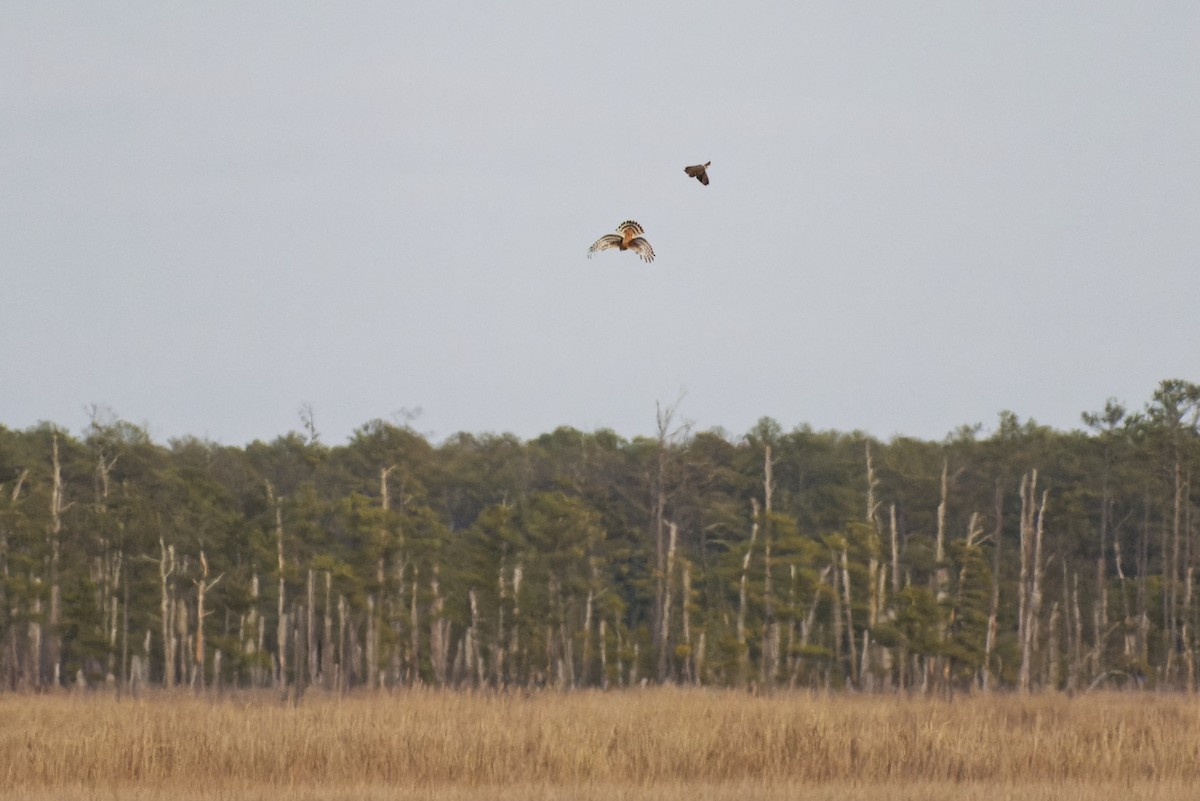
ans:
x=628 y=237
x=699 y=172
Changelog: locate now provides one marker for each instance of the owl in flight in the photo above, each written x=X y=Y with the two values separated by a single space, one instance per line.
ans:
x=628 y=237
x=699 y=172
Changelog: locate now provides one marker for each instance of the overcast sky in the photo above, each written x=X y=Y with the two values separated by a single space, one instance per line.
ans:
x=921 y=213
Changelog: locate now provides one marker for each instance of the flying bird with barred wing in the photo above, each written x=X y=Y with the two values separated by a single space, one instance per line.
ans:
x=699 y=172
x=628 y=237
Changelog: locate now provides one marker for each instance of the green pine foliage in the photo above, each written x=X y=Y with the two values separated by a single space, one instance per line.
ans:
x=488 y=561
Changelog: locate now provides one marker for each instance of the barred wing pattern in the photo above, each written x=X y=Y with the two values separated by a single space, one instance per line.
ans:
x=641 y=247
x=605 y=242
x=628 y=237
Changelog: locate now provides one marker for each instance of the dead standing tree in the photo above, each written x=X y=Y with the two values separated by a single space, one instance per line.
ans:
x=1032 y=568
x=770 y=634
x=665 y=441
x=743 y=600
x=53 y=640
x=166 y=568
x=989 y=644
x=281 y=626
x=203 y=585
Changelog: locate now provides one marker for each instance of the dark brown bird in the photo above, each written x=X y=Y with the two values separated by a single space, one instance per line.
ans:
x=699 y=172
x=628 y=237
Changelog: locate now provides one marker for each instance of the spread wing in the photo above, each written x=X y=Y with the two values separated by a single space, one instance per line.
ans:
x=698 y=172
x=604 y=243
x=641 y=247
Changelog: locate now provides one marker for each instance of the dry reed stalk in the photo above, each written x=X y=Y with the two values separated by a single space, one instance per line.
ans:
x=663 y=743
x=742 y=791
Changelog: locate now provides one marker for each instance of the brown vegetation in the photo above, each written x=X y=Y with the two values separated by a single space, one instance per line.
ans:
x=664 y=744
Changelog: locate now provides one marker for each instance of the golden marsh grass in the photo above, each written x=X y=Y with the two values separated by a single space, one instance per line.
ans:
x=662 y=744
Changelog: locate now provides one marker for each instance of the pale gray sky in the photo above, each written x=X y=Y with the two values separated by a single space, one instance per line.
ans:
x=921 y=213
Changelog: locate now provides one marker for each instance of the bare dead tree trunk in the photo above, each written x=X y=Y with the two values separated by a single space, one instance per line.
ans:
x=248 y=631
x=33 y=665
x=375 y=600
x=414 y=625
x=792 y=614
x=850 y=641
x=836 y=618
x=107 y=565
x=352 y=666
x=875 y=590
x=385 y=496
x=310 y=626
x=634 y=661
x=884 y=667
x=1173 y=578
x=372 y=642
x=9 y=604
x=690 y=672
x=972 y=540
x=327 y=634
x=1187 y=614
x=1185 y=632
x=1039 y=566
x=1128 y=641
x=187 y=673
x=202 y=588
x=743 y=602
x=500 y=646
x=663 y=419
x=566 y=650
x=942 y=577
x=475 y=655
x=54 y=620
x=299 y=643
x=603 y=655
x=124 y=679
x=770 y=631
x=1077 y=657
x=811 y=618
x=876 y=585
x=344 y=674
x=585 y=671
x=994 y=606
x=439 y=631
x=895 y=552
x=198 y=655
x=281 y=622
x=1142 y=625
x=1100 y=604
x=1058 y=676
x=1032 y=519
x=1026 y=549
x=664 y=634
x=166 y=609
x=872 y=483
x=1054 y=648
x=111 y=568
x=372 y=638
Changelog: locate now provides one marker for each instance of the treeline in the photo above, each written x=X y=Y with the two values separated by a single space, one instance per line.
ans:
x=1030 y=559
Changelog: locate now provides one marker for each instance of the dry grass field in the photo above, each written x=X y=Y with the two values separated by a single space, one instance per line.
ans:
x=664 y=744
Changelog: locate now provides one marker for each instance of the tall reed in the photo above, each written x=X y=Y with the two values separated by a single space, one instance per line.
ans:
x=627 y=742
